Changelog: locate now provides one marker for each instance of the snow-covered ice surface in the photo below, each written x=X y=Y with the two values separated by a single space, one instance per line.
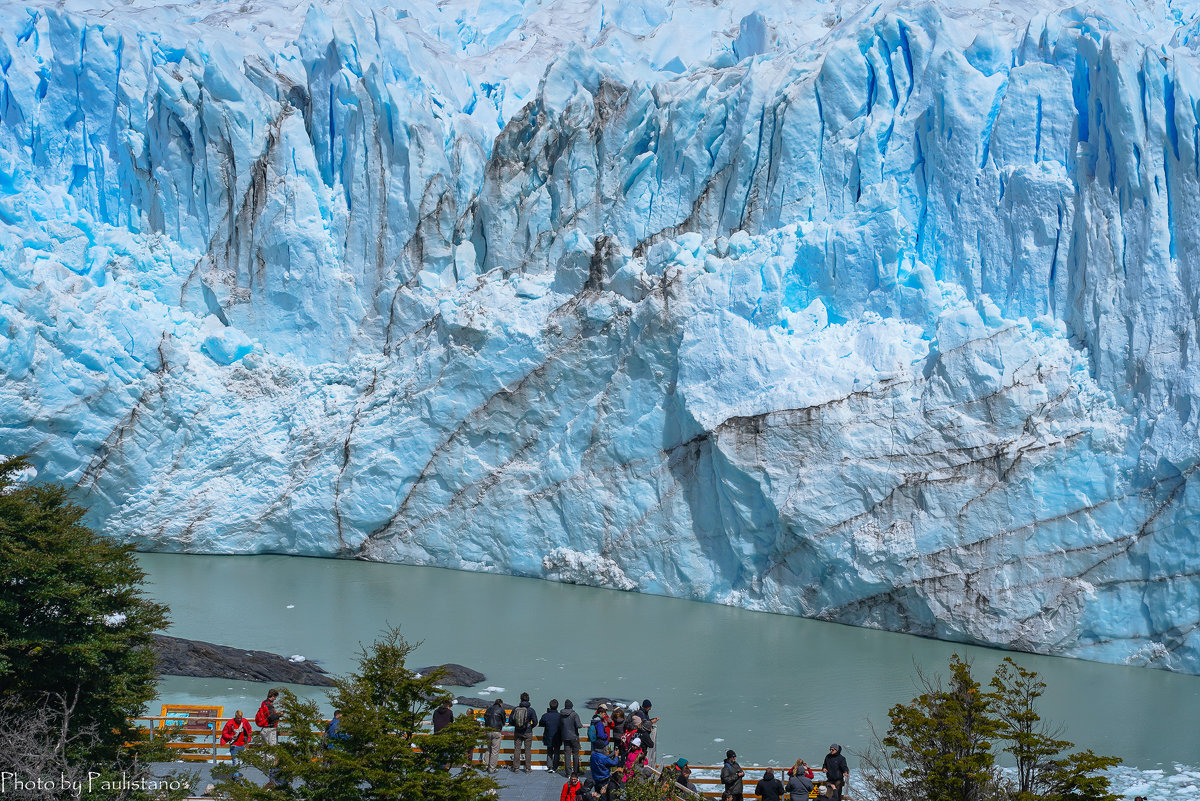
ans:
x=879 y=313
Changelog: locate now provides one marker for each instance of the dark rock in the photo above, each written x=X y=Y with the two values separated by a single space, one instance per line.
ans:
x=180 y=657
x=613 y=703
x=455 y=675
x=474 y=703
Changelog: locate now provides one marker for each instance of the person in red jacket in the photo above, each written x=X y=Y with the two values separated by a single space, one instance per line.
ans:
x=571 y=789
x=236 y=735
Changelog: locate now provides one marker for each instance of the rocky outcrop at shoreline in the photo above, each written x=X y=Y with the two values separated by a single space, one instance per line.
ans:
x=455 y=675
x=181 y=657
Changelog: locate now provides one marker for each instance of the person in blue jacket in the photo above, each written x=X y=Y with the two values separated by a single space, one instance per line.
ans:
x=602 y=763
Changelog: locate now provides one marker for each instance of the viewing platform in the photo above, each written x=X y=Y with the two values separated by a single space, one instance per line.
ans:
x=195 y=738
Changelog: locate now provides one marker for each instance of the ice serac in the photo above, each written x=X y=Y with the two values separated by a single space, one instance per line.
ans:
x=882 y=314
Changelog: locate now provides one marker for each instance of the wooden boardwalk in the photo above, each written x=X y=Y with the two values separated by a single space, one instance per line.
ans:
x=196 y=745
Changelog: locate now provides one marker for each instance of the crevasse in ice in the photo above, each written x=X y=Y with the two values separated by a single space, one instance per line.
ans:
x=879 y=313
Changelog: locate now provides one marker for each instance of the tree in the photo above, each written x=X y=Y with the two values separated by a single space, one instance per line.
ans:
x=939 y=745
x=943 y=738
x=383 y=755
x=74 y=623
x=1042 y=773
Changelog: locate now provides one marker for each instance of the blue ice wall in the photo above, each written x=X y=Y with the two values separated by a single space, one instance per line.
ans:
x=885 y=317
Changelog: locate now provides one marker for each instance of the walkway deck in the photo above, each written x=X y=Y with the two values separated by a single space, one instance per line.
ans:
x=537 y=786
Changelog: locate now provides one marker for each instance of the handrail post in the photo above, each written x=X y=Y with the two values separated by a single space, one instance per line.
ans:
x=214 y=736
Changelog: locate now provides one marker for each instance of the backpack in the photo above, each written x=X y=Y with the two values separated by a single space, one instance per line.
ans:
x=261 y=720
x=520 y=717
x=596 y=733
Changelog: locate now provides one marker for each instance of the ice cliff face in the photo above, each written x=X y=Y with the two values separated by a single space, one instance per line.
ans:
x=883 y=314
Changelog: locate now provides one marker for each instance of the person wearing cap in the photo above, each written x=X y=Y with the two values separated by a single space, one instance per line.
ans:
x=649 y=732
x=634 y=759
x=570 y=736
x=731 y=776
x=493 y=721
x=681 y=773
x=836 y=770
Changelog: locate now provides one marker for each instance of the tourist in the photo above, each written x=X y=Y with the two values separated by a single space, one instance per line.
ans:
x=236 y=735
x=799 y=783
x=625 y=743
x=570 y=737
x=620 y=734
x=267 y=719
x=649 y=732
x=493 y=721
x=442 y=716
x=836 y=770
x=522 y=719
x=635 y=757
x=769 y=788
x=602 y=763
x=681 y=773
x=551 y=724
x=333 y=731
x=598 y=729
x=572 y=790
x=731 y=777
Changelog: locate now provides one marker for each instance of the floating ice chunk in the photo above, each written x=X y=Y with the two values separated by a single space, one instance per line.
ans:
x=296 y=658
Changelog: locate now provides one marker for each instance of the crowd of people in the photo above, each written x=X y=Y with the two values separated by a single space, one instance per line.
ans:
x=623 y=742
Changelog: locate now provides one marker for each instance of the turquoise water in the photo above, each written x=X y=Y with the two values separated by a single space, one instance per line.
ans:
x=771 y=687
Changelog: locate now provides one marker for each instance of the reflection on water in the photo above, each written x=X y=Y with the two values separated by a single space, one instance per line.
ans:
x=772 y=687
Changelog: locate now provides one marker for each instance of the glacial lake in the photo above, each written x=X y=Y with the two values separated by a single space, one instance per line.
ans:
x=772 y=687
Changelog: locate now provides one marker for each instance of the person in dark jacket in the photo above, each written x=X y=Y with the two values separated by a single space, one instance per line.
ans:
x=769 y=788
x=681 y=773
x=523 y=719
x=619 y=728
x=570 y=737
x=731 y=777
x=442 y=716
x=836 y=770
x=334 y=736
x=551 y=724
x=493 y=721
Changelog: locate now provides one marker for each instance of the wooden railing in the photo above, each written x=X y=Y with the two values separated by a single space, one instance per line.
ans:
x=198 y=739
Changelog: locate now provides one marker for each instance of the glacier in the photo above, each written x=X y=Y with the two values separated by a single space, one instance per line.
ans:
x=881 y=313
